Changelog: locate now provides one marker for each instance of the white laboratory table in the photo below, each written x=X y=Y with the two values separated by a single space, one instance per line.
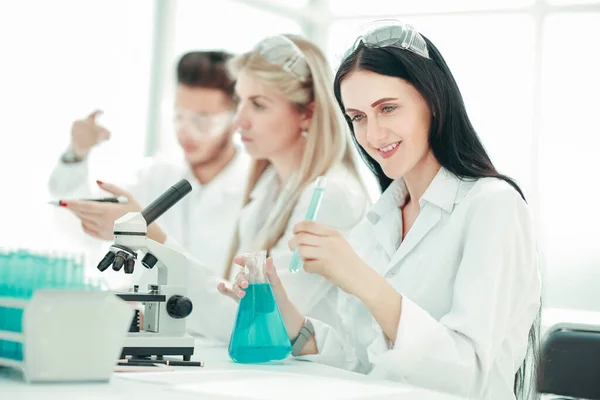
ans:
x=221 y=379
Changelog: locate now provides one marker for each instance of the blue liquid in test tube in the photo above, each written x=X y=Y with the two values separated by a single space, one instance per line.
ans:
x=311 y=215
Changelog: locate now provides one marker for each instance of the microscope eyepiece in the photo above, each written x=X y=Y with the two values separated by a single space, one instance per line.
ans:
x=106 y=261
x=166 y=200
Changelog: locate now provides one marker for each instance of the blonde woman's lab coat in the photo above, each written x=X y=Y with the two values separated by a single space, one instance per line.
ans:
x=344 y=204
x=468 y=274
x=203 y=222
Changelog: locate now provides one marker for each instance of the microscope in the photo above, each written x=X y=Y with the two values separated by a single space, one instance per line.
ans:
x=165 y=303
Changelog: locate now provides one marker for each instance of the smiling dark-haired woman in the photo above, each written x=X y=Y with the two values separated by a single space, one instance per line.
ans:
x=442 y=278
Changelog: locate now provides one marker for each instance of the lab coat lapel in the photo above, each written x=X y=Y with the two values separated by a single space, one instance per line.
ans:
x=384 y=215
x=388 y=242
x=428 y=218
x=439 y=198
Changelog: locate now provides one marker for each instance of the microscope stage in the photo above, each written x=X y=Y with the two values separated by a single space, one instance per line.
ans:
x=150 y=339
x=145 y=344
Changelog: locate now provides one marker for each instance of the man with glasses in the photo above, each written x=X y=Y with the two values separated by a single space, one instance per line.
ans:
x=204 y=221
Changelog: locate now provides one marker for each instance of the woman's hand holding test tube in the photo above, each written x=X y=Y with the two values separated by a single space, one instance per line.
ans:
x=326 y=252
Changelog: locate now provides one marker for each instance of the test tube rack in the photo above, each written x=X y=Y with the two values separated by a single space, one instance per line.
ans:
x=54 y=325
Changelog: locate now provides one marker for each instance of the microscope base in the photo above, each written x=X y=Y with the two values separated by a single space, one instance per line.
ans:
x=148 y=344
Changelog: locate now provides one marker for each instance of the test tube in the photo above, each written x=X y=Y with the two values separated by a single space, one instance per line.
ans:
x=78 y=273
x=18 y=351
x=3 y=274
x=311 y=215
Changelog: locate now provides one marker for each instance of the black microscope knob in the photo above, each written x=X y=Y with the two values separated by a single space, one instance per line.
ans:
x=179 y=306
x=149 y=261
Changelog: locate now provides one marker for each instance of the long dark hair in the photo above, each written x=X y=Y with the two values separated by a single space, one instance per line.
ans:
x=452 y=138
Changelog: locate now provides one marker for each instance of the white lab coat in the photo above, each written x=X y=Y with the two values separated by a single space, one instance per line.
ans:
x=344 y=204
x=468 y=274
x=203 y=222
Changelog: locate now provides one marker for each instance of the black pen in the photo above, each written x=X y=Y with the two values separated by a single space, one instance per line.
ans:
x=135 y=364
x=173 y=363
x=120 y=200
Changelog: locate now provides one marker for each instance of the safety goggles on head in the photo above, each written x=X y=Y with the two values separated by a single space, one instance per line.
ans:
x=280 y=50
x=390 y=32
x=199 y=124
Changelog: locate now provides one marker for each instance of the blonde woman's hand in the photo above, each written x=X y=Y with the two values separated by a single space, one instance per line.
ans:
x=292 y=318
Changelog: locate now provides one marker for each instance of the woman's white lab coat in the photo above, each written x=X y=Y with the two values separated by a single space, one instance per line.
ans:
x=203 y=222
x=344 y=204
x=468 y=274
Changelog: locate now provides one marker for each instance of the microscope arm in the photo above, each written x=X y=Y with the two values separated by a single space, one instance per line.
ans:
x=172 y=265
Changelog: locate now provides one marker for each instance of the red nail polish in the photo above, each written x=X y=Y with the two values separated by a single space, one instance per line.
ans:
x=99 y=182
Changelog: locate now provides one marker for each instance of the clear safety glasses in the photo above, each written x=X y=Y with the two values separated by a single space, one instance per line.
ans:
x=202 y=125
x=390 y=32
x=280 y=50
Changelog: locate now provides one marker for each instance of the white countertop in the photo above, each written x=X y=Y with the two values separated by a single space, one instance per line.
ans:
x=221 y=379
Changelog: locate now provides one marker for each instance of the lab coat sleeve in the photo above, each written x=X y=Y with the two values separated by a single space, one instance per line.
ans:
x=496 y=296
x=73 y=180
x=335 y=348
x=214 y=314
x=70 y=179
x=339 y=346
x=342 y=207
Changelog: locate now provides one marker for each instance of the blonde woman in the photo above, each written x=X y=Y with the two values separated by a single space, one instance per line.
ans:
x=290 y=127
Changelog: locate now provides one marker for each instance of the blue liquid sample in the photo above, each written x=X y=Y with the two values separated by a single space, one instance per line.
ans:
x=11 y=350
x=11 y=319
x=259 y=334
x=311 y=215
x=23 y=272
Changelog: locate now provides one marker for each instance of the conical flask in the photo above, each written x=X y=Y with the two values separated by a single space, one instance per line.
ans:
x=259 y=334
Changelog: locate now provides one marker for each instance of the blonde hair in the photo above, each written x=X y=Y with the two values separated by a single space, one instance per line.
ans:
x=327 y=143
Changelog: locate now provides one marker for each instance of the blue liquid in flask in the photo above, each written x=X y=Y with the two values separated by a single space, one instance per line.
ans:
x=259 y=334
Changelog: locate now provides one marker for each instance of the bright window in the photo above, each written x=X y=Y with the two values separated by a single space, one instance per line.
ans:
x=386 y=8
x=568 y=148
x=63 y=59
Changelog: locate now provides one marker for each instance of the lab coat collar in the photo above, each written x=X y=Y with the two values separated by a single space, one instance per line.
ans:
x=382 y=218
x=267 y=181
x=440 y=196
x=442 y=191
x=393 y=197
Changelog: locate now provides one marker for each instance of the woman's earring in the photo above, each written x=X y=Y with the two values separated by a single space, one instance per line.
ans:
x=304 y=133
